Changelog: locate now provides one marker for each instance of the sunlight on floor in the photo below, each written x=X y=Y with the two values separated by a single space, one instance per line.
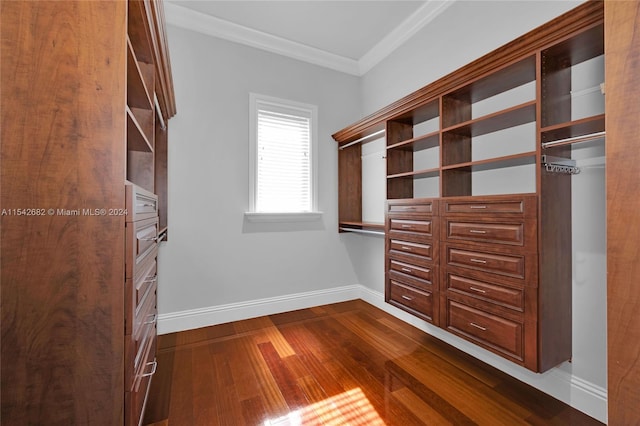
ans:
x=349 y=408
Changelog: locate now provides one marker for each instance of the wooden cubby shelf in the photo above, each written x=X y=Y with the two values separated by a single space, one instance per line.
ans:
x=496 y=163
x=570 y=129
x=511 y=117
x=417 y=173
x=419 y=143
x=137 y=139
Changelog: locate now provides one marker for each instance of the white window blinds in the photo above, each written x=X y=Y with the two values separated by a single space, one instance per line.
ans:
x=283 y=175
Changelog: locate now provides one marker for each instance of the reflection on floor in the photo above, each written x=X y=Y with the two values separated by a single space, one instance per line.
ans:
x=348 y=408
x=342 y=364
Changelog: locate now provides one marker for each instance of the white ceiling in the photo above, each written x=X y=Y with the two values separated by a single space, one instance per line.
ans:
x=348 y=36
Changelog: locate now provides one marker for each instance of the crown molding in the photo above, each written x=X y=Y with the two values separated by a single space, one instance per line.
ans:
x=183 y=17
x=403 y=32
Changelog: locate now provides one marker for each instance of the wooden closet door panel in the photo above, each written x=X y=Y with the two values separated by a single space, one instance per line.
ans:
x=63 y=129
x=622 y=65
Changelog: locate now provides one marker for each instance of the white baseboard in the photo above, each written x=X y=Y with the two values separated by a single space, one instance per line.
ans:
x=212 y=315
x=572 y=390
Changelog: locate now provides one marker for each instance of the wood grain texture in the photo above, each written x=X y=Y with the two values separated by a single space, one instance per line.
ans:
x=63 y=130
x=622 y=65
x=350 y=363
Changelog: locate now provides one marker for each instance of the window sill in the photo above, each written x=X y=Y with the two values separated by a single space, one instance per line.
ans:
x=282 y=217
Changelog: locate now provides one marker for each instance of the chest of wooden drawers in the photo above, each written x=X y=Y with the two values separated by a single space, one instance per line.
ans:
x=141 y=311
x=490 y=273
x=470 y=265
x=412 y=257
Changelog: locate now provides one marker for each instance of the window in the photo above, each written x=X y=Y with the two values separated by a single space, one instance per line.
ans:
x=282 y=159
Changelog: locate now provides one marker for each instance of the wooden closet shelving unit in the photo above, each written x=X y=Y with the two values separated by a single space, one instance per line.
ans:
x=526 y=84
x=87 y=93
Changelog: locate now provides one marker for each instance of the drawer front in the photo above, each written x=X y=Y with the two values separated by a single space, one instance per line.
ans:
x=138 y=346
x=413 y=270
x=425 y=250
x=140 y=351
x=411 y=281
x=135 y=289
x=141 y=244
x=135 y=403
x=136 y=398
x=146 y=313
x=489 y=330
x=422 y=226
x=426 y=207
x=512 y=298
x=496 y=233
x=484 y=206
x=140 y=204
x=419 y=301
x=511 y=266
x=411 y=259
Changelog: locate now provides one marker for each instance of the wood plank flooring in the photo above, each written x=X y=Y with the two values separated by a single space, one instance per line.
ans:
x=342 y=364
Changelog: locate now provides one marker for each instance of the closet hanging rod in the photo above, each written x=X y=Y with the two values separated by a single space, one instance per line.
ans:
x=575 y=139
x=362 y=231
x=362 y=139
x=159 y=112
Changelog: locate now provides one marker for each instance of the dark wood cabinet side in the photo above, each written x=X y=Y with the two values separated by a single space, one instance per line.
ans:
x=62 y=271
x=622 y=65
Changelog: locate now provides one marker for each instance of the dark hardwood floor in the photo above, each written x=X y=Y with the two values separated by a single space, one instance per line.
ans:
x=342 y=364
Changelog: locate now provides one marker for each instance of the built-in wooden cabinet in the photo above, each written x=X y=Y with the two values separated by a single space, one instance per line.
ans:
x=412 y=253
x=502 y=126
x=141 y=307
x=86 y=96
x=489 y=281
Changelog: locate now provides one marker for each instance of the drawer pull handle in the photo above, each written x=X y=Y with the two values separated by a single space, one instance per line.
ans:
x=477 y=207
x=478 y=261
x=147 y=205
x=409 y=208
x=473 y=324
x=406 y=226
x=153 y=319
x=405 y=297
x=477 y=231
x=149 y=239
x=152 y=279
x=154 y=366
x=406 y=248
x=479 y=290
x=407 y=270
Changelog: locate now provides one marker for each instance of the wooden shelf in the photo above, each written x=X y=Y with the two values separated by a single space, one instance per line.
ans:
x=511 y=117
x=570 y=129
x=417 y=174
x=584 y=46
x=430 y=140
x=139 y=80
x=500 y=80
x=136 y=136
x=362 y=227
x=420 y=114
x=495 y=163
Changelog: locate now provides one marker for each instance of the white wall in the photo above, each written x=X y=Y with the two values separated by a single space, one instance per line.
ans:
x=464 y=32
x=214 y=257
